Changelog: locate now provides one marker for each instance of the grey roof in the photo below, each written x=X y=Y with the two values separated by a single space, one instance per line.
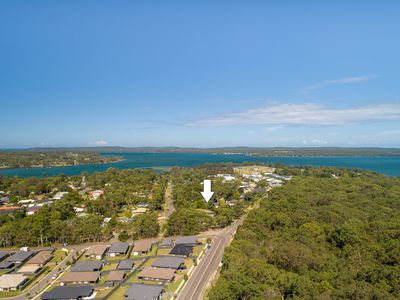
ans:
x=191 y=240
x=20 y=256
x=125 y=264
x=166 y=243
x=6 y=264
x=169 y=262
x=183 y=250
x=120 y=248
x=87 y=266
x=143 y=292
x=68 y=292
x=3 y=255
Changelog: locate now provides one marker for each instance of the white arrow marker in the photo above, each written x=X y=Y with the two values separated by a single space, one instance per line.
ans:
x=207 y=194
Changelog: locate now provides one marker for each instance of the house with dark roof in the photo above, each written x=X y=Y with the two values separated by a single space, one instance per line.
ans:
x=87 y=266
x=20 y=257
x=182 y=250
x=187 y=240
x=166 y=243
x=68 y=292
x=117 y=249
x=126 y=264
x=139 y=291
x=6 y=265
x=169 y=262
x=3 y=255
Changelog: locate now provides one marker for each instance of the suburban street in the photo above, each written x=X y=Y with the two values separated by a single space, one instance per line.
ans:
x=196 y=285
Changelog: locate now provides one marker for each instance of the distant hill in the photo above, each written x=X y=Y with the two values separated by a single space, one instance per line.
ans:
x=256 y=151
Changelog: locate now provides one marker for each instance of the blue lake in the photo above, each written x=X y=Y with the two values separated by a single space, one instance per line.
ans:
x=159 y=161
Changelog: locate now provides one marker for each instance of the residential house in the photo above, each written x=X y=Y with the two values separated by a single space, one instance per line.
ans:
x=142 y=247
x=166 y=243
x=157 y=274
x=168 y=262
x=4 y=265
x=97 y=251
x=87 y=266
x=20 y=257
x=114 y=277
x=139 y=291
x=182 y=250
x=187 y=240
x=96 y=194
x=69 y=292
x=126 y=264
x=80 y=278
x=118 y=249
x=12 y=282
x=139 y=211
x=41 y=258
x=3 y=255
x=29 y=269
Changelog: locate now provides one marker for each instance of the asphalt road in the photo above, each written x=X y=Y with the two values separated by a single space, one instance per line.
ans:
x=195 y=287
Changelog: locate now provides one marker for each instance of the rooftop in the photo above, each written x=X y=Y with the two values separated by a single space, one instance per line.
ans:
x=125 y=264
x=20 y=256
x=41 y=257
x=182 y=249
x=116 y=276
x=120 y=248
x=80 y=277
x=169 y=262
x=87 y=266
x=142 y=246
x=97 y=250
x=29 y=269
x=143 y=292
x=157 y=273
x=192 y=240
x=68 y=292
x=11 y=280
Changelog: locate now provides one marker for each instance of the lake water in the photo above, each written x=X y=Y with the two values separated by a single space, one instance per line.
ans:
x=159 y=161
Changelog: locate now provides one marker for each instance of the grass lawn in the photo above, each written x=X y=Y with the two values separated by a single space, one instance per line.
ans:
x=102 y=293
x=119 y=293
x=122 y=257
x=188 y=263
x=148 y=262
x=9 y=294
x=163 y=251
x=59 y=255
x=110 y=267
x=171 y=287
x=197 y=250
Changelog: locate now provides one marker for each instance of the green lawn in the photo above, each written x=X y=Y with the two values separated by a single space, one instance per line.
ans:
x=197 y=250
x=119 y=293
x=110 y=267
x=171 y=288
x=102 y=293
x=59 y=255
x=163 y=251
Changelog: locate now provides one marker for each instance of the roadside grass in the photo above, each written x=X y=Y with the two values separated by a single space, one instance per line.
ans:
x=58 y=256
x=170 y=288
x=9 y=294
x=197 y=250
x=103 y=293
x=188 y=263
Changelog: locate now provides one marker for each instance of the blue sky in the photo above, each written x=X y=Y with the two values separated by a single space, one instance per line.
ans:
x=211 y=73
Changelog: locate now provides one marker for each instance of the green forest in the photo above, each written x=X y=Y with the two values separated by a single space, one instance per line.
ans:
x=35 y=159
x=327 y=234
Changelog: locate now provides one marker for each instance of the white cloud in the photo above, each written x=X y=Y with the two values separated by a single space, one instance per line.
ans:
x=99 y=143
x=344 y=80
x=305 y=114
